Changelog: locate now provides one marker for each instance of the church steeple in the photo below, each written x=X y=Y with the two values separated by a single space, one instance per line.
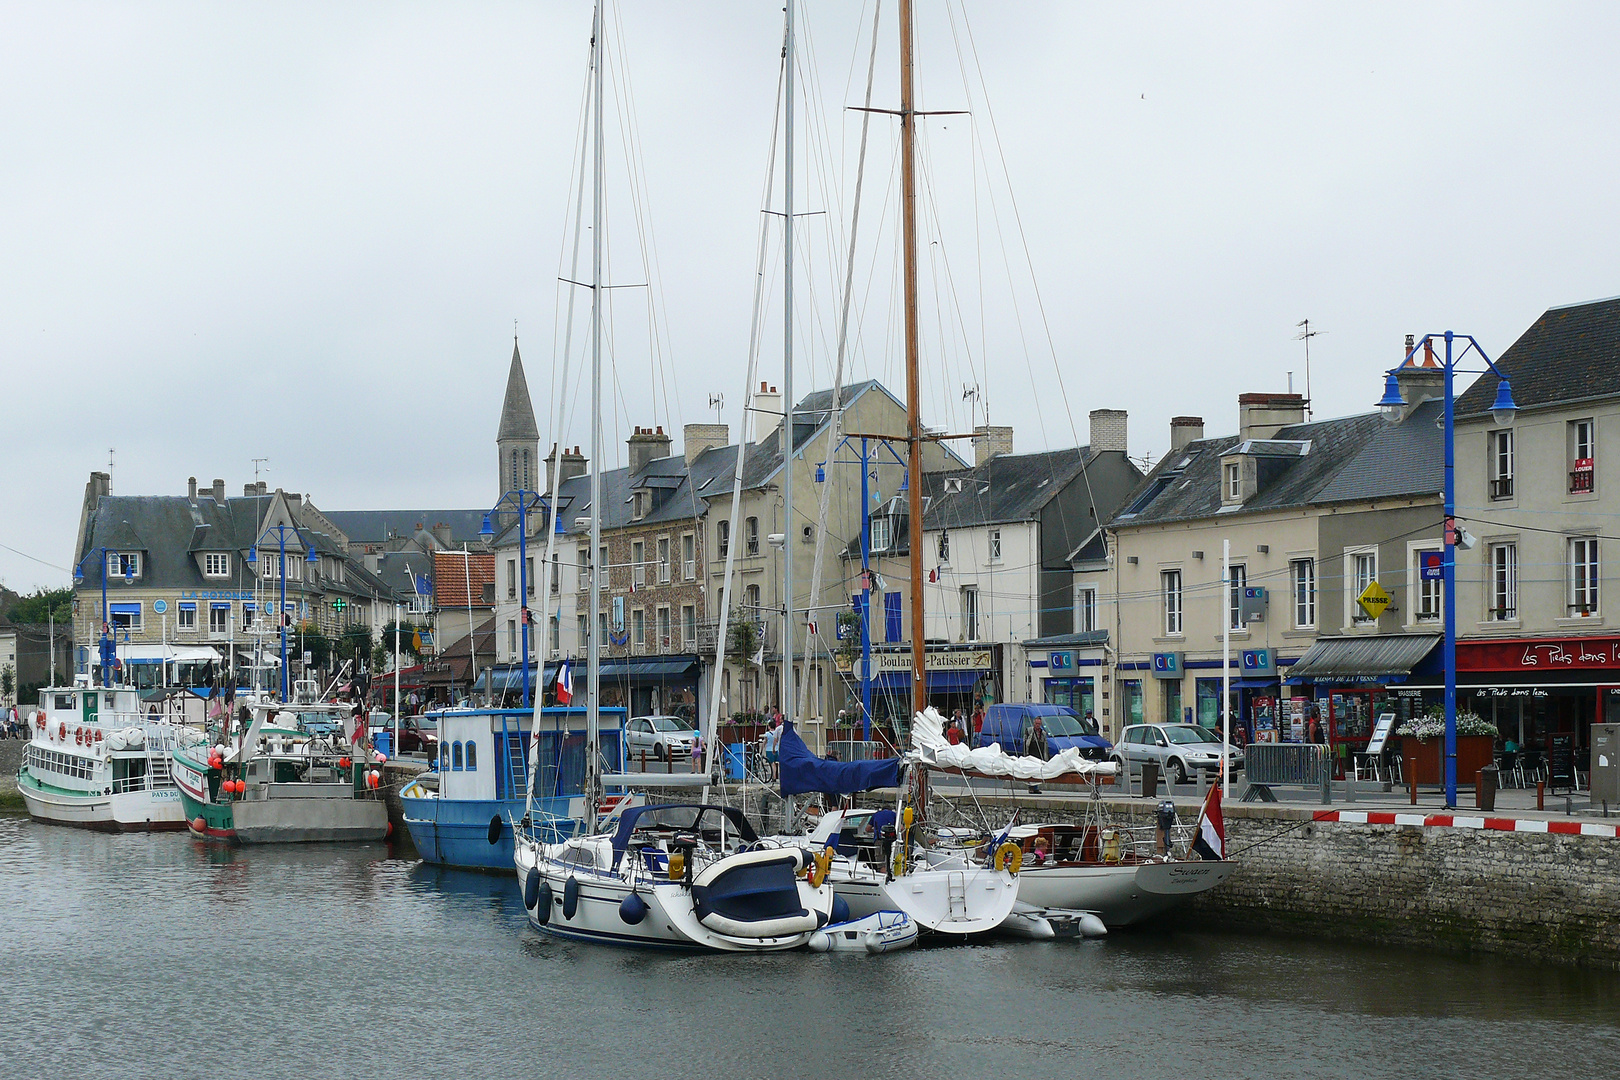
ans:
x=517 y=440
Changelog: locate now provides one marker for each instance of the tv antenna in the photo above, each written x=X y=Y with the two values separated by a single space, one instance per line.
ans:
x=256 y=463
x=1305 y=334
x=110 y=452
x=717 y=402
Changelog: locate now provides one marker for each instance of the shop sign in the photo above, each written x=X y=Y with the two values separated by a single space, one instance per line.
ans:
x=937 y=660
x=1167 y=665
x=1571 y=654
x=1258 y=662
x=1513 y=692
x=1432 y=566
x=1060 y=661
x=1373 y=599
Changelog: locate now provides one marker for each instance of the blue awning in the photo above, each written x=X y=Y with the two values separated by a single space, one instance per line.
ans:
x=939 y=682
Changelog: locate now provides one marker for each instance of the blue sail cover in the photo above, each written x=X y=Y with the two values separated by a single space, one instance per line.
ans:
x=802 y=771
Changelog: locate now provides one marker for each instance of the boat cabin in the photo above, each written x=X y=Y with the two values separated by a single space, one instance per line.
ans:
x=485 y=753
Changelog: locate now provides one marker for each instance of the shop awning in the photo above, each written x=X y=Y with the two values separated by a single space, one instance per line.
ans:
x=939 y=682
x=1252 y=683
x=156 y=654
x=1373 y=656
x=663 y=667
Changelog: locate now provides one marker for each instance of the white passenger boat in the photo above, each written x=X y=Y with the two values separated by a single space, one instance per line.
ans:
x=94 y=760
x=675 y=876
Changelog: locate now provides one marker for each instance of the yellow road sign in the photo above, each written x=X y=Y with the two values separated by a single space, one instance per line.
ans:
x=1373 y=600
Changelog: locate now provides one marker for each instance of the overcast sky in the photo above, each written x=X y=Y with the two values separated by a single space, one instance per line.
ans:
x=303 y=232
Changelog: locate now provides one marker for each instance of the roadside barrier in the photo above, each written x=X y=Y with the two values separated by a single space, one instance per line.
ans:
x=1269 y=765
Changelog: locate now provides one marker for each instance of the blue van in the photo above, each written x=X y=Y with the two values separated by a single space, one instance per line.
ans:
x=1009 y=726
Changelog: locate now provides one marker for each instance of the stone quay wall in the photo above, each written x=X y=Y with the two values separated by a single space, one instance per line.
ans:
x=1541 y=896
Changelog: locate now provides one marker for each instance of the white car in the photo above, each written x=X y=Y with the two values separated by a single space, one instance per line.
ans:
x=1177 y=748
x=663 y=738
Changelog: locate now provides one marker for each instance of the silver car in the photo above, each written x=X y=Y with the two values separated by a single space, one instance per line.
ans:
x=1177 y=748
x=662 y=738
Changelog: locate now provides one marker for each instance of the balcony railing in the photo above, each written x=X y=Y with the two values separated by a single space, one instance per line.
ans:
x=708 y=632
x=1502 y=487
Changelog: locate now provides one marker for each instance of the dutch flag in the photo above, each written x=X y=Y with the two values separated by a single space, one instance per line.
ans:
x=565 y=683
x=1211 y=839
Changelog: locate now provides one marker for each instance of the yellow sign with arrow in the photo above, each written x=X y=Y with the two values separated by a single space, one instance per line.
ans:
x=1373 y=600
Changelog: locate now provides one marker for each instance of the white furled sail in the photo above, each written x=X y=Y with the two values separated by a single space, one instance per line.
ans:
x=931 y=748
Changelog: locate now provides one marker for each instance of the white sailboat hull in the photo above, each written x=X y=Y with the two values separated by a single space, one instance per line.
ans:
x=1123 y=894
x=958 y=901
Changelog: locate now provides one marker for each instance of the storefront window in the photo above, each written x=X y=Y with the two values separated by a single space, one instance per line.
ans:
x=1078 y=694
x=1172 y=701
x=1133 y=700
x=1209 y=703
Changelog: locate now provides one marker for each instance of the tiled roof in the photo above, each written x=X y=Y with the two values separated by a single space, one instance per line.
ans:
x=454 y=573
x=1570 y=353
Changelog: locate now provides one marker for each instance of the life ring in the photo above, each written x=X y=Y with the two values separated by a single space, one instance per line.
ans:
x=98 y=735
x=816 y=871
x=61 y=731
x=1009 y=857
x=39 y=722
x=78 y=736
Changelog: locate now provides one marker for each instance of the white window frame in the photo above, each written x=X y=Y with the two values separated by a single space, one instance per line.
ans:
x=944 y=547
x=183 y=624
x=1583 y=446
x=137 y=620
x=1502 y=601
x=217 y=564
x=722 y=538
x=1236 y=580
x=1232 y=471
x=1499 y=460
x=638 y=563
x=604 y=572
x=970 y=612
x=1585 y=573
x=751 y=536
x=688 y=556
x=881 y=533
x=556 y=572
x=1170 y=593
x=689 y=626
x=511 y=579
x=665 y=641
x=528 y=567
x=1355 y=559
x=224 y=619
x=1427 y=599
x=665 y=571
x=118 y=562
x=1085 y=609
x=1302 y=590
x=638 y=627
x=995 y=545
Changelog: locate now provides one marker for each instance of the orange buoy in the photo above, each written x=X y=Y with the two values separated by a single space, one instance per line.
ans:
x=389 y=830
x=200 y=825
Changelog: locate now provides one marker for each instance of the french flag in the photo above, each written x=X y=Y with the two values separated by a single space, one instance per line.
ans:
x=565 y=683
x=1211 y=839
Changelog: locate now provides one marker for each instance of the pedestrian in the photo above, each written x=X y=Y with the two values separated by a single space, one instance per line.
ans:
x=697 y=751
x=773 y=749
x=1035 y=747
x=953 y=732
x=978 y=721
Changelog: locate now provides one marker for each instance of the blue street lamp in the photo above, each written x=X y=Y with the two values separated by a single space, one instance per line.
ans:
x=312 y=557
x=1503 y=410
x=523 y=502
x=108 y=648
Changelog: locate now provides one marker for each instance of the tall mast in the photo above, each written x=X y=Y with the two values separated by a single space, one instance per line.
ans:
x=593 y=648
x=908 y=247
x=786 y=435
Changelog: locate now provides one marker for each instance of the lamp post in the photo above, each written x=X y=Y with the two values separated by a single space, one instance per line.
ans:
x=523 y=502
x=312 y=557
x=108 y=645
x=1503 y=409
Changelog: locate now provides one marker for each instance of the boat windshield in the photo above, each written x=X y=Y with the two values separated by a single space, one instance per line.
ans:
x=1186 y=734
x=1057 y=724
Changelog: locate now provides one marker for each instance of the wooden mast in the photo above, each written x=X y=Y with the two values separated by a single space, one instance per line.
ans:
x=914 y=440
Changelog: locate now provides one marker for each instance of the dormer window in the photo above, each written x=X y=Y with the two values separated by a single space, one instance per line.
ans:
x=124 y=565
x=882 y=533
x=216 y=564
x=1239 y=477
x=1234 y=481
x=639 y=504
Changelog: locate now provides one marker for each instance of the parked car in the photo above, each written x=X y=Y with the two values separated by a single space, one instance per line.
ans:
x=1009 y=726
x=664 y=738
x=1176 y=748
x=419 y=735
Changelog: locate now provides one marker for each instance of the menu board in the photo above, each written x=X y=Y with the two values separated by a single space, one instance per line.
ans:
x=1561 y=760
x=1386 y=724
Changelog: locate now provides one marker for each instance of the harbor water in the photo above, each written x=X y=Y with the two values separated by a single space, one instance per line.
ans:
x=140 y=956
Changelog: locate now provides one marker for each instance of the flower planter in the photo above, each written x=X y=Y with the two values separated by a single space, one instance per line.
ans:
x=1423 y=757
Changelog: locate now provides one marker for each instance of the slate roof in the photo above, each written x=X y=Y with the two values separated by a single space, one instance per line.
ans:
x=376 y=526
x=517 y=411
x=1008 y=487
x=1350 y=458
x=1569 y=354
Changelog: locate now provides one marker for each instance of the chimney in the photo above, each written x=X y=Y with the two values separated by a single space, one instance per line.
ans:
x=767 y=412
x=990 y=441
x=647 y=445
x=573 y=463
x=249 y=490
x=1261 y=415
x=1184 y=430
x=263 y=487
x=100 y=484
x=191 y=490
x=700 y=437
x=219 y=492
x=441 y=533
x=1420 y=378
x=1107 y=430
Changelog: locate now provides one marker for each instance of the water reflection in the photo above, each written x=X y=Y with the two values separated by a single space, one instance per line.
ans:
x=181 y=958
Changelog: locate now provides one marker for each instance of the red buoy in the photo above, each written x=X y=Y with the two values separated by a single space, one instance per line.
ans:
x=200 y=825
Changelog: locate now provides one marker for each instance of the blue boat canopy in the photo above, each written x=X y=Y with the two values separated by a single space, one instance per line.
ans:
x=802 y=771
x=681 y=817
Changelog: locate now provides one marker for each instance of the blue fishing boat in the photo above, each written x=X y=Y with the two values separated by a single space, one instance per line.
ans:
x=460 y=812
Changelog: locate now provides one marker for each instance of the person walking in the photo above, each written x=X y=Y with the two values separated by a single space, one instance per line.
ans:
x=1035 y=747
x=773 y=750
x=697 y=752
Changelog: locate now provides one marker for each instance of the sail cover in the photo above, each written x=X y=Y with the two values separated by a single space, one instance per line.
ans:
x=930 y=747
x=802 y=771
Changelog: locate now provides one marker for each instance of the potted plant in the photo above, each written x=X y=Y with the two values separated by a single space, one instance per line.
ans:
x=1423 y=741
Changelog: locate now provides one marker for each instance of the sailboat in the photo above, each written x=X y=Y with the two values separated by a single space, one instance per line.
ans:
x=674 y=876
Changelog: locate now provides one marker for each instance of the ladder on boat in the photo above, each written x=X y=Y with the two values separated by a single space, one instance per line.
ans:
x=517 y=765
x=956 y=894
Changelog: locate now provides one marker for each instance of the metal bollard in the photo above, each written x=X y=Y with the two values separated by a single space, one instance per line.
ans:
x=1150 y=779
x=1327 y=783
x=1350 y=784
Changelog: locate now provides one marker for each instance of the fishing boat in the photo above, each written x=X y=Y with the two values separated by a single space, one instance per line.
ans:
x=676 y=876
x=495 y=768
x=96 y=761
x=299 y=773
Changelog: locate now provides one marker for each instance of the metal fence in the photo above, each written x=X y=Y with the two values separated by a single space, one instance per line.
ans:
x=1266 y=765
